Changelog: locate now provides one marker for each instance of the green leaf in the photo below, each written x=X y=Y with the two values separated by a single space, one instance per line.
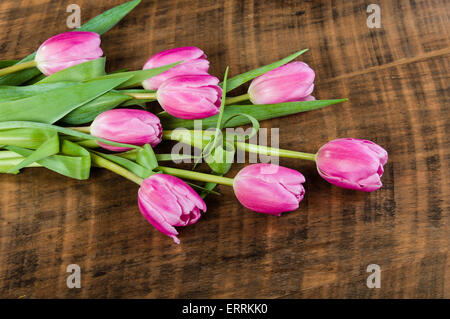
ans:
x=259 y=112
x=120 y=71
x=221 y=158
x=35 y=79
x=209 y=188
x=146 y=157
x=100 y=24
x=51 y=106
x=8 y=163
x=222 y=103
x=108 y=19
x=25 y=137
x=73 y=161
x=173 y=157
x=12 y=93
x=240 y=79
x=203 y=189
x=9 y=155
x=218 y=153
x=89 y=111
x=139 y=76
x=48 y=148
x=253 y=121
x=137 y=169
x=93 y=69
x=20 y=77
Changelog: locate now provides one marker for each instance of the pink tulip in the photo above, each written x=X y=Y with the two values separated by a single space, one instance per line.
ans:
x=129 y=126
x=194 y=62
x=288 y=83
x=166 y=201
x=269 y=188
x=67 y=49
x=352 y=163
x=190 y=96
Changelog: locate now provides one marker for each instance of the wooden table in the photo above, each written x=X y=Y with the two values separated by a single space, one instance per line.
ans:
x=397 y=80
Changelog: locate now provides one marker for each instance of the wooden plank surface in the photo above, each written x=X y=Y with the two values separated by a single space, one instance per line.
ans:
x=397 y=80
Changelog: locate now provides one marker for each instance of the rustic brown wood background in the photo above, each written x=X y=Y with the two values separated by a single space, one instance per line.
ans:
x=397 y=80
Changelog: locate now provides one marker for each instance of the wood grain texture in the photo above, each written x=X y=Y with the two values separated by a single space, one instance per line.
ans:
x=397 y=80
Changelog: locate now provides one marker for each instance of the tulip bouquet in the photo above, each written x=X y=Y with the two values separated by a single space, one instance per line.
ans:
x=48 y=99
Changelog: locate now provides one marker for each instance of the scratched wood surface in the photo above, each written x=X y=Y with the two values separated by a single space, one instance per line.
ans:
x=397 y=80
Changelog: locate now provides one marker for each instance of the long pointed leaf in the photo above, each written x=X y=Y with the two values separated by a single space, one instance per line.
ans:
x=89 y=111
x=135 y=168
x=81 y=72
x=48 y=148
x=73 y=161
x=8 y=163
x=139 y=76
x=12 y=93
x=108 y=19
x=6 y=63
x=240 y=79
x=51 y=106
x=146 y=157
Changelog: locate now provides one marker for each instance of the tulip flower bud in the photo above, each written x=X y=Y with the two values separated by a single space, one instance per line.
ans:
x=269 y=188
x=190 y=96
x=194 y=62
x=67 y=49
x=166 y=201
x=129 y=126
x=352 y=163
x=288 y=83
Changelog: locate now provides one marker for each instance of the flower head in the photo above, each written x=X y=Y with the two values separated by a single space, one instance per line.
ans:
x=190 y=96
x=288 y=83
x=269 y=188
x=166 y=201
x=67 y=49
x=194 y=62
x=129 y=126
x=352 y=163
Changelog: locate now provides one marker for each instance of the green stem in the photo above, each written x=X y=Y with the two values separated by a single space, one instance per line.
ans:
x=113 y=167
x=82 y=129
x=251 y=148
x=142 y=96
x=17 y=67
x=88 y=143
x=270 y=151
x=236 y=99
x=196 y=176
x=131 y=155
